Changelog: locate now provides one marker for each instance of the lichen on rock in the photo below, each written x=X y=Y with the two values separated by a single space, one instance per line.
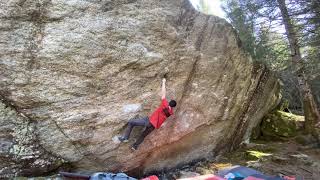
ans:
x=21 y=154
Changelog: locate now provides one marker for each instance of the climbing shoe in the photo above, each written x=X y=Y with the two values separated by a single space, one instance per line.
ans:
x=122 y=139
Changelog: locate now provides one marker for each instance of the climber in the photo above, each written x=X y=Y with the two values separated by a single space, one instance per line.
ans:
x=150 y=123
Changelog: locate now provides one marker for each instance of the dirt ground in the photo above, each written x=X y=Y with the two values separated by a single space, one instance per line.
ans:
x=271 y=158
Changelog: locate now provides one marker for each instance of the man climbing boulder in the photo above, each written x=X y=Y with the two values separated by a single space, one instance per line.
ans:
x=154 y=121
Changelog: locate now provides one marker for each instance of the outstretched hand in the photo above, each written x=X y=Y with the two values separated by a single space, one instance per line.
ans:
x=163 y=89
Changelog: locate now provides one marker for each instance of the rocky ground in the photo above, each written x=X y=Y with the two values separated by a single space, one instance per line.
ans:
x=271 y=158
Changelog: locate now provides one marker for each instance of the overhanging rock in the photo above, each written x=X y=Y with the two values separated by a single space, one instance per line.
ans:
x=81 y=69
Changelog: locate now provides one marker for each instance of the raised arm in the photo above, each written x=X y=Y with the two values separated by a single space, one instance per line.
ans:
x=163 y=89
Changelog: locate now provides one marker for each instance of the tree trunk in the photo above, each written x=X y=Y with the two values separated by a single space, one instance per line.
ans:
x=309 y=106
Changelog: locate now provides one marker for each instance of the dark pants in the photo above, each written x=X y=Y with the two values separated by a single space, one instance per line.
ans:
x=148 y=128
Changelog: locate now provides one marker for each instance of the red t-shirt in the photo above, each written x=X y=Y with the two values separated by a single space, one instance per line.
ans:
x=159 y=115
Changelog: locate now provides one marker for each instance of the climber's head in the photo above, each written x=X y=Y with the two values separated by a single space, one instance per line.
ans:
x=172 y=103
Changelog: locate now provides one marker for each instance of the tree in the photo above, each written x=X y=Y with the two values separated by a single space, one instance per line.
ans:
x=309 y=17
x=243 y=24
x=301 y=20
x=309 y=106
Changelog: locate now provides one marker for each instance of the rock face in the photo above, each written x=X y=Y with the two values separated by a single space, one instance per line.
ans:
x=79 y=70
x=20 y=151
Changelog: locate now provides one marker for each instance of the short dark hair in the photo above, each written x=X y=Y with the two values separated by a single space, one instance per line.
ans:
x=172 y=103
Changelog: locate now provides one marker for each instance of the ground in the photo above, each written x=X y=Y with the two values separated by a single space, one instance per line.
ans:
x=272 y=158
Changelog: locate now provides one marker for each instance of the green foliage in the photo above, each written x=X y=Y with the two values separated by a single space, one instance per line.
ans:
x=261 y=31
x=272 y=49
x=242 y=23
x=256 y=32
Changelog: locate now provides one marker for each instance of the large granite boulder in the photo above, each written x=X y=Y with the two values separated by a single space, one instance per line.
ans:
x=78 y=70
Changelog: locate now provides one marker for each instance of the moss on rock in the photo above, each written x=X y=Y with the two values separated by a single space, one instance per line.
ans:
x=279 y=125
x=256 y=155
